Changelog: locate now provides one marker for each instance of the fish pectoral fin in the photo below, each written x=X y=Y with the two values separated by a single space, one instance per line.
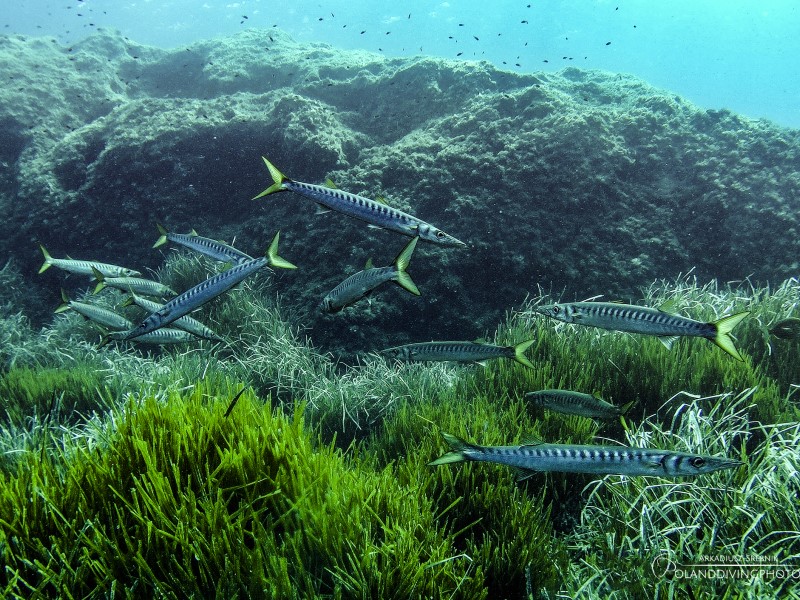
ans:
x=371 y=226
x=668 y=341
x=523 y=474
x=321 y=210
x=329 y=184
x=483 y=363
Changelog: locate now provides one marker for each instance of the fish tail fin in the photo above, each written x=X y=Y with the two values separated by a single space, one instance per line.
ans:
x=272 y=254
x=64 y=306
x=47 y=260
x=457 y=454
x=519 y=355
x=163 y=233
x=278 y=179
x=101 y=280
x=724 y=326
x=401 y=263
x=625 y=408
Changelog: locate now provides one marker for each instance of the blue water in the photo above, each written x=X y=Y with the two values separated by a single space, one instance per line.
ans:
x=735 y=54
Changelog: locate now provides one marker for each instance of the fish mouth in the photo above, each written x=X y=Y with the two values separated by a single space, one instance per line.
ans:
x=724 y=463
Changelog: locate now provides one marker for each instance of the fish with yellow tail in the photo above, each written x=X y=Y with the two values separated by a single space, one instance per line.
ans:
x=569 y=402
x=536 y=456
x=459 y=352
x=361 y=284
x=203 y=292
x=377 y=214
x=648 y=321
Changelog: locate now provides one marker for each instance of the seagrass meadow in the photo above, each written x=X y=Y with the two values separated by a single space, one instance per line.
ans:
x=122 y=476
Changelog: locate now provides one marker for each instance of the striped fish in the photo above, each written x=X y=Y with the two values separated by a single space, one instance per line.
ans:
x=370 y=211
x=212 y=248
x=459 y=352
x=84 y=267
x=577 y=403
x=205 y=291
x=165 y=335
x=649 y=321
x=186 y=322
x=361 y=284
x=98 y=314
x=597 y=460
x=137 y=285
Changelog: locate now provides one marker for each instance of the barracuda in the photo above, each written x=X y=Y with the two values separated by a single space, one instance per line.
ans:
x=98 y=314
x=205 y=291
x=459 y=352
x=649 y=321
x=84 y=267
x=577 y=403
x=147 y=287
x=597 y=460
x=212 y=248
x=365 y=209
x=186 y=322
x=360 y=285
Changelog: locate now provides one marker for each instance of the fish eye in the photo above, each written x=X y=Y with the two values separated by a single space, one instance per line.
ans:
x=556 y=309
x=697 y=462
x=440 y=234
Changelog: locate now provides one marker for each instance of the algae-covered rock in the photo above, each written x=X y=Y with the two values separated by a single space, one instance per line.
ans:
x=591 y=182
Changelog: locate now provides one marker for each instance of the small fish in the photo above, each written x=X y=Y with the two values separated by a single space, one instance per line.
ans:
x=212 y=248
x=649 y=321
x=460 y=352
x=204 y=291
x=377 y=214
x=165 y=335
x=788 y=329
x=147 y=287
x=98 y=314
x=84 y=267
x=186 y=322
x=596 y=460
x=577 y=403
x=361 y=284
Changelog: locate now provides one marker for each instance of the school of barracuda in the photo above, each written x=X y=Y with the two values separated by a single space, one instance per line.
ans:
x=527 y=458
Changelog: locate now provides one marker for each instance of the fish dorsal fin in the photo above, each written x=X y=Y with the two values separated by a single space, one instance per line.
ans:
x=479 y=341
x=193 y=232
x=329 y=184
x=668 y=306
x=530 y=440
x=368 y=265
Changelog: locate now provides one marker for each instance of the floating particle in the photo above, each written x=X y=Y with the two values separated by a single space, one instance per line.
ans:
x=545 y=60
x=459 y=54
x=409 y=15
x=460 y=24
x=477 y=39
x=525 y=21
x=320 y=19
x=608 y=43
x=363 y=31
x=244 y=17
x=388 y=32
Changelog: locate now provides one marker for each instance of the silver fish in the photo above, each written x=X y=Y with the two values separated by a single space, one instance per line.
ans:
x=365 y=209
x=84 y=267
x=459 y=352
x=645 y=320
x=788 y=329
x=597 y=460
x=137 y=285
x=186 y=322
x=98 y=314
x=165 y=335
x=205 y=291
x=212 y=248
x=361 y=284
x=577 y=403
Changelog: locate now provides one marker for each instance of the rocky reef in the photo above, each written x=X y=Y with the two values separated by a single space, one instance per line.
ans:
x=583 y=181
